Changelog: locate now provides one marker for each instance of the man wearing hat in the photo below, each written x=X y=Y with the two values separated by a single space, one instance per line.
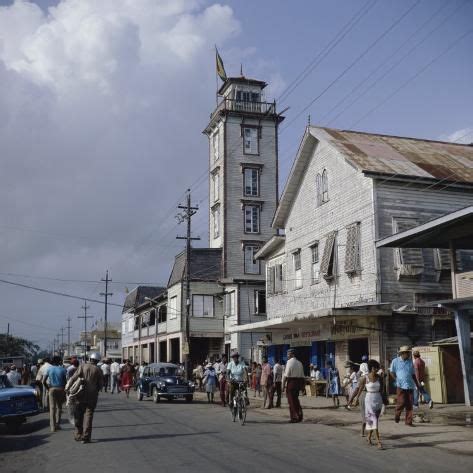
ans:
x=294 y=381
x=236 y=372
x=402 y=371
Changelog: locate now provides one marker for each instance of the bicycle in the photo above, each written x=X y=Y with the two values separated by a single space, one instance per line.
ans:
x=239 y=402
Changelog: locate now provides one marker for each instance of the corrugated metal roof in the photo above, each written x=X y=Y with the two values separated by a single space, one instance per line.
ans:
x=401 y=155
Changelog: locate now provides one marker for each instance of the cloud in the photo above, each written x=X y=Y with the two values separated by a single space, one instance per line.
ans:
x=465 y=135
x=101 y=110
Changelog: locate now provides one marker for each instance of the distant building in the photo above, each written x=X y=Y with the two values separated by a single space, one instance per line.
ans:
x=330 y=292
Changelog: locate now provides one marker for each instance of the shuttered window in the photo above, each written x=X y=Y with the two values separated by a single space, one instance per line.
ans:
x=216 y=222
x=442 y=259
x=327 y=267
x=318 y=190
x=315 y=263
x=270 y=273
x=409 y=262
x=296 y=257
x=353 y=249
x=325 y=186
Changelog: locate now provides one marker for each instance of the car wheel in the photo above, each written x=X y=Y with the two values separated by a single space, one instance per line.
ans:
x=139 y=394
x=189 y=398
x=156 y=397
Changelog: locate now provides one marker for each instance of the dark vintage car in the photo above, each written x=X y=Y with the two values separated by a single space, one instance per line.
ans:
x=164 y=381
x=16 y=404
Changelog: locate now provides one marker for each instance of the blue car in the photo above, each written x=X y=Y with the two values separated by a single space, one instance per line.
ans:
x=16 y=404
x=164 y=381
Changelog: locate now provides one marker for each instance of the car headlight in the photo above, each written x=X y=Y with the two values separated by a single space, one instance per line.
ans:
x=191 y=384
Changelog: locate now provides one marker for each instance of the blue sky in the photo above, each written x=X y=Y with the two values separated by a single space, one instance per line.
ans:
x=104 y=103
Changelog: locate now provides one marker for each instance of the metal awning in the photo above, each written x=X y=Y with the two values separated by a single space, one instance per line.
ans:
x=456 y=227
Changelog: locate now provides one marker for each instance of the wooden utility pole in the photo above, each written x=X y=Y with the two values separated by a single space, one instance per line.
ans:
x=105 y=294
x=85 y=317
x=186 y=216
x=69 y=336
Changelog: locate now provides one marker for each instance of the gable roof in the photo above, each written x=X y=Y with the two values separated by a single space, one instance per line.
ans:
x=383 y=155
x=206 y=265
x=137 y=296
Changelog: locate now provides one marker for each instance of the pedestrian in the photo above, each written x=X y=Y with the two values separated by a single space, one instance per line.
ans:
x=106 y=374
x=267 y=384
x=127 y=377
x=93 y=382
x=402 y=371
x=141 y=369
x=33 y=372
x=421 y=393
x=347 y=382
x=222 y=380
x=294 y=381
x=334 y=389
x=358 y=395
x=55 y=379
x=115 y=377
x=210 y=382
x=25 y=375
x=277 y=383
x=14 y=376
x=258 y=373
x=373 y=386
x=40 y=377
x=72 y=368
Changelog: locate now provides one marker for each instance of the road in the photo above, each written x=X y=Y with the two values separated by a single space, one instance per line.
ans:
x=178 y=437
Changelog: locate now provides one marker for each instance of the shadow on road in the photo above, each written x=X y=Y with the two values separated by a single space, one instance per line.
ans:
x=153 y=437
x=125 y=425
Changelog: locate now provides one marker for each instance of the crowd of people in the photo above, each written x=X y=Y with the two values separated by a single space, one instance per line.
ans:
x=364 y=384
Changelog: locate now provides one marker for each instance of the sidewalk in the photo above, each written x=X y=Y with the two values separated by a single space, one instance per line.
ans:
x=447 y=426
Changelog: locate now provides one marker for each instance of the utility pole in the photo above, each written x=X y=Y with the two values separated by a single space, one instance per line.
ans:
x=186 y=216
x=8 y=339
x=62 y=340
x=69 y=336
x=85 y=317
x=105 y=294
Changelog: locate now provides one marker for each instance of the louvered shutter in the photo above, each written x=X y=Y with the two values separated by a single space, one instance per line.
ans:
x=409 y=256
x=328 y=255
x=442 y=259
x=352 y=257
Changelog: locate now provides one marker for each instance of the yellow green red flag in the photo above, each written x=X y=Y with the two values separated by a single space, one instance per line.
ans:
x=220 y=68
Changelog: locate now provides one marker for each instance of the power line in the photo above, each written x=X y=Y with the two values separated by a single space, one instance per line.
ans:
x=353 y=63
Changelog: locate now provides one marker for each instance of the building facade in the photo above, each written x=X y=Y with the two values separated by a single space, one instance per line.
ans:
x=330 y=292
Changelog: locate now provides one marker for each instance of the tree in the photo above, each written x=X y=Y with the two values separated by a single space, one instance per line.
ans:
x=15 y=346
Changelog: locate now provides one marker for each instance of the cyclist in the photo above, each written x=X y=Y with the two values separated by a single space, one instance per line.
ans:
x=236 y=372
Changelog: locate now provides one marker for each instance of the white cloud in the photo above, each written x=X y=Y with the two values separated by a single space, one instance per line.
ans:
x=465 y=135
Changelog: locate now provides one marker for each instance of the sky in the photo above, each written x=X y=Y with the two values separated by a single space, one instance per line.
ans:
x=103 y=104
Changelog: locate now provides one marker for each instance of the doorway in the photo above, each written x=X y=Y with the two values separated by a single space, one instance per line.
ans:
x=357 y=347
x=163 y=351
x=175 y=350
x=303 y=355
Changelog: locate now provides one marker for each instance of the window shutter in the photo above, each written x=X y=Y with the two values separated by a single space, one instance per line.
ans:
x=409 y=256
x=328 y=255
x=442 y=259
x=352 y=254
x=318 y=189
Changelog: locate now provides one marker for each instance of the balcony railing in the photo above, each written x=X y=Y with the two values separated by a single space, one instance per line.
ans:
x=232 y=105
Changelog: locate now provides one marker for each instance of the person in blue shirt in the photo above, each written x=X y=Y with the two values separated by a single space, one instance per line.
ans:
x=402 y=371
x=55 y=380
x=236 y=372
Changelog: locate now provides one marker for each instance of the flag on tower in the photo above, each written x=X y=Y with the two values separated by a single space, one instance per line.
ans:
x=220 y=68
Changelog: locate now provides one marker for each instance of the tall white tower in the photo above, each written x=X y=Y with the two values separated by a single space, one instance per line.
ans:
x=243 y=166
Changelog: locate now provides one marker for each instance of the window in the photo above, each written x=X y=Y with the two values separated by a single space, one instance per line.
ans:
x=251 y=182
x=230 y=303
x=270 y=280
x=250 y=140
x=315 y=266
x=173 y=307
x=131 y=324
x=215 y=145
x=353 y=249
x=318 y=190
x=152 y=317
x=328 y=265
x=252 y=266
x=409 y=262
x=260 y=302
x=442 y=259
x=162 y=314
x=216 y=186
x=324 y=186
x=202 y=306
x=252 y=218
x=216 y=222
x=296 y=259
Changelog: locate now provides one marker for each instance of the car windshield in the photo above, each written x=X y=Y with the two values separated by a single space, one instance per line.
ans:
x=4 y=383
x=168 y=371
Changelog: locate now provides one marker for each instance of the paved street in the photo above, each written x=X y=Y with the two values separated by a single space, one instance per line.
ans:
x=147 y=437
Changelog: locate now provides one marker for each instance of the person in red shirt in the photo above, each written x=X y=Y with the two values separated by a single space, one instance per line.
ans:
x=419 y=368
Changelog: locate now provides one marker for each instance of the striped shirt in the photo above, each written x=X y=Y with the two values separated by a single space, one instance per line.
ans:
x=403 y=369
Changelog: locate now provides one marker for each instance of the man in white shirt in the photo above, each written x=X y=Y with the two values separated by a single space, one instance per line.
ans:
x=115 y=377
x=14 y=376
x=222 y=379
x=294 y=381
x=106 y=374
x=277 y=386
x=40 y=377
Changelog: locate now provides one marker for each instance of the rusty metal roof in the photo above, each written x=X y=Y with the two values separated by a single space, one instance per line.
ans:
x=402 y=156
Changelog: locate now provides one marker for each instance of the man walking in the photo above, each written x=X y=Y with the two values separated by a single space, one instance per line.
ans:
x=115 y=377
x=93 y=379
x=277 y=385
x=419 y=370
x=55 y=380
x=106 y=374
x=222 y=379
x=292 y=384
x=267 y=383
x=402 y=371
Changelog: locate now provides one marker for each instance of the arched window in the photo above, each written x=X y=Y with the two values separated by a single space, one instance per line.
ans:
x=318 y=189
x=325 y=186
